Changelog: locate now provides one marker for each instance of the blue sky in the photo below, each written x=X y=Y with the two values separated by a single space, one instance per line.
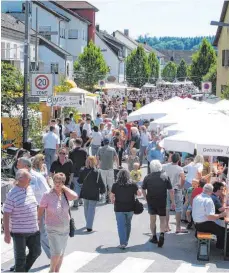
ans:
x=159 y=17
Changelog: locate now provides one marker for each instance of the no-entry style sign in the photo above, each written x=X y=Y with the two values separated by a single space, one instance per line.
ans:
x=206 y=87
x=41 y=85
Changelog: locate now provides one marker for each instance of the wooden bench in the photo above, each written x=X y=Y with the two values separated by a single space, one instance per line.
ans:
x=203 y=251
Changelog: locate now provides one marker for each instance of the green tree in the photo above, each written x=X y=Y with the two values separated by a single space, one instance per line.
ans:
x=11 y=87
x=202 y=61
x=225 y=93
x=211 y=76
x=169 y=72
x=137 y=68
x=182 y=70
x=90 y=67
x=154 y=67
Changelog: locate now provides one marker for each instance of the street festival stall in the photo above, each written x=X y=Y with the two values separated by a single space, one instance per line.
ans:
x=158 y=109
x=84 y=101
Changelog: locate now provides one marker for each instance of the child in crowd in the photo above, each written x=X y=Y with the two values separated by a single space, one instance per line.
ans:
x=136 y=174
x=187 y=206
x=133 y=158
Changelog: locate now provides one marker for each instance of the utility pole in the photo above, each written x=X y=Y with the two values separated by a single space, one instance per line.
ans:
x=25 y=121
x=36 y=47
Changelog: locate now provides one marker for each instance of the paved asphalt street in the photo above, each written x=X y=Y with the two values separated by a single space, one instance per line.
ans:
x=98 y=252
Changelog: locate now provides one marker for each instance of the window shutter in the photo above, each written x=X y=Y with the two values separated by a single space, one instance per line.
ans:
x=223 y=57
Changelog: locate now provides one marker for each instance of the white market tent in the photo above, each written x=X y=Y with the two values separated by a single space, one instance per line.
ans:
x=190 y=111
x=90 y=106
x=200 y=135
x=157 y=109
x=143 y=111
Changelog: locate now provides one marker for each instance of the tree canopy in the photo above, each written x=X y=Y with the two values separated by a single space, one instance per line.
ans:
x=169 y=72
x=182 y=70
x=154 y=66
x=137 y=68
x=174 y=43
x=11 y=86
x=202 y=61
x=90 y=67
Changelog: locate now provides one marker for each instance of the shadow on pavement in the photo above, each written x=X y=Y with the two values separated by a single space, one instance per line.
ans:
x=176 y=247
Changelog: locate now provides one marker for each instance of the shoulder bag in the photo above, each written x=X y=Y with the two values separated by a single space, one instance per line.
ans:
x=72 y=227
x=138 y=207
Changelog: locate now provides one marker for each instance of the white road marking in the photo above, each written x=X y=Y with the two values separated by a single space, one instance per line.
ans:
x=133 y=265
x=192 y=268
x=75 y=261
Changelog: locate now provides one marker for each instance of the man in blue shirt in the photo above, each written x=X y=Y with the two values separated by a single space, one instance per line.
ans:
x=98 y=120
x=157 y=153
x=218 y=188
x=152 y=144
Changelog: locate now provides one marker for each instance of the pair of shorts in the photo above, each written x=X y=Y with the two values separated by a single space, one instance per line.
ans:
x=156 y=211
x=178 y=196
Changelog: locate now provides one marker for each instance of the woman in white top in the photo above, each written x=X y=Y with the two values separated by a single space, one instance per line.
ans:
x=97 y=138
x=194 y=170
x=144 y=142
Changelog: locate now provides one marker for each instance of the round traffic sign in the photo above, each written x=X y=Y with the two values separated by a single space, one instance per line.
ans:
x=206 y=86
x=42 y=82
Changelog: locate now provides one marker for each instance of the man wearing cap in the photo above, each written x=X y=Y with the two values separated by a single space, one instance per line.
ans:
x=106 y=156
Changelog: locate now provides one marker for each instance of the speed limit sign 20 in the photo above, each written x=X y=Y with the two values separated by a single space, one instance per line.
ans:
x=42 y=85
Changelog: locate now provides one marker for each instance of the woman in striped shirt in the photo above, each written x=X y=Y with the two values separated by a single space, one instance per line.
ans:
x=55 y=203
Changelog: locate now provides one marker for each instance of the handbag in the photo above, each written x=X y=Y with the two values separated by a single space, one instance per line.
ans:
x=72 y=227
x=138 y=207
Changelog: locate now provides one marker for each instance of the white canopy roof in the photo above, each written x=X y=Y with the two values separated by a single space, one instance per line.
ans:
x=201 y=134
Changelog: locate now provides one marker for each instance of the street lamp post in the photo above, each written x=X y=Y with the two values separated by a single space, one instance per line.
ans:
x=25 y=121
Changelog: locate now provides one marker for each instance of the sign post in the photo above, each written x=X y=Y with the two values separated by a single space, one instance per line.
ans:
x=42 y=85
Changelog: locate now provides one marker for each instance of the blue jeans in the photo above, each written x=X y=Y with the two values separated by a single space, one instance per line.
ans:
x=142 y=153
x=89 y=212
x=124 y=226
x=44 y=238
x=49 y=157
x=94 y=149
x=77 y=189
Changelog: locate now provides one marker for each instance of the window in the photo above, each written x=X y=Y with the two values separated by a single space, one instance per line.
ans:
x=3 y=50
x=45 y=31
x=15 y=51
x=54 y=68
x=62 y=33
x=8 y=51
x=225 y=57
x=73 y=34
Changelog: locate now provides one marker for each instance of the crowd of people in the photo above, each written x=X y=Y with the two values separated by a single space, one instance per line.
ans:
x=82 y=164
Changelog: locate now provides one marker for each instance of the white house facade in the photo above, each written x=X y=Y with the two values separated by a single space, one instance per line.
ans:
x=61 y=26
x=12 y=42
x=114 y=53
x=51 y=58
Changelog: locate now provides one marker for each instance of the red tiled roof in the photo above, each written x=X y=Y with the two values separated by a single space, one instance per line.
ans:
x=77 y=5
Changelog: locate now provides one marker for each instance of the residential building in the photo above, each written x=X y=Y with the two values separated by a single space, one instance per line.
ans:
x=85 y=10
x=125 y=38
x=56 y=23
x=114 y=53
x=12 y=42
x=177 y=55
x=222 y=42
x=51 y=58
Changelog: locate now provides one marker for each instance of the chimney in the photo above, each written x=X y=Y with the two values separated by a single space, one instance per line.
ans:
x=97 y=27
x=126 y=32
